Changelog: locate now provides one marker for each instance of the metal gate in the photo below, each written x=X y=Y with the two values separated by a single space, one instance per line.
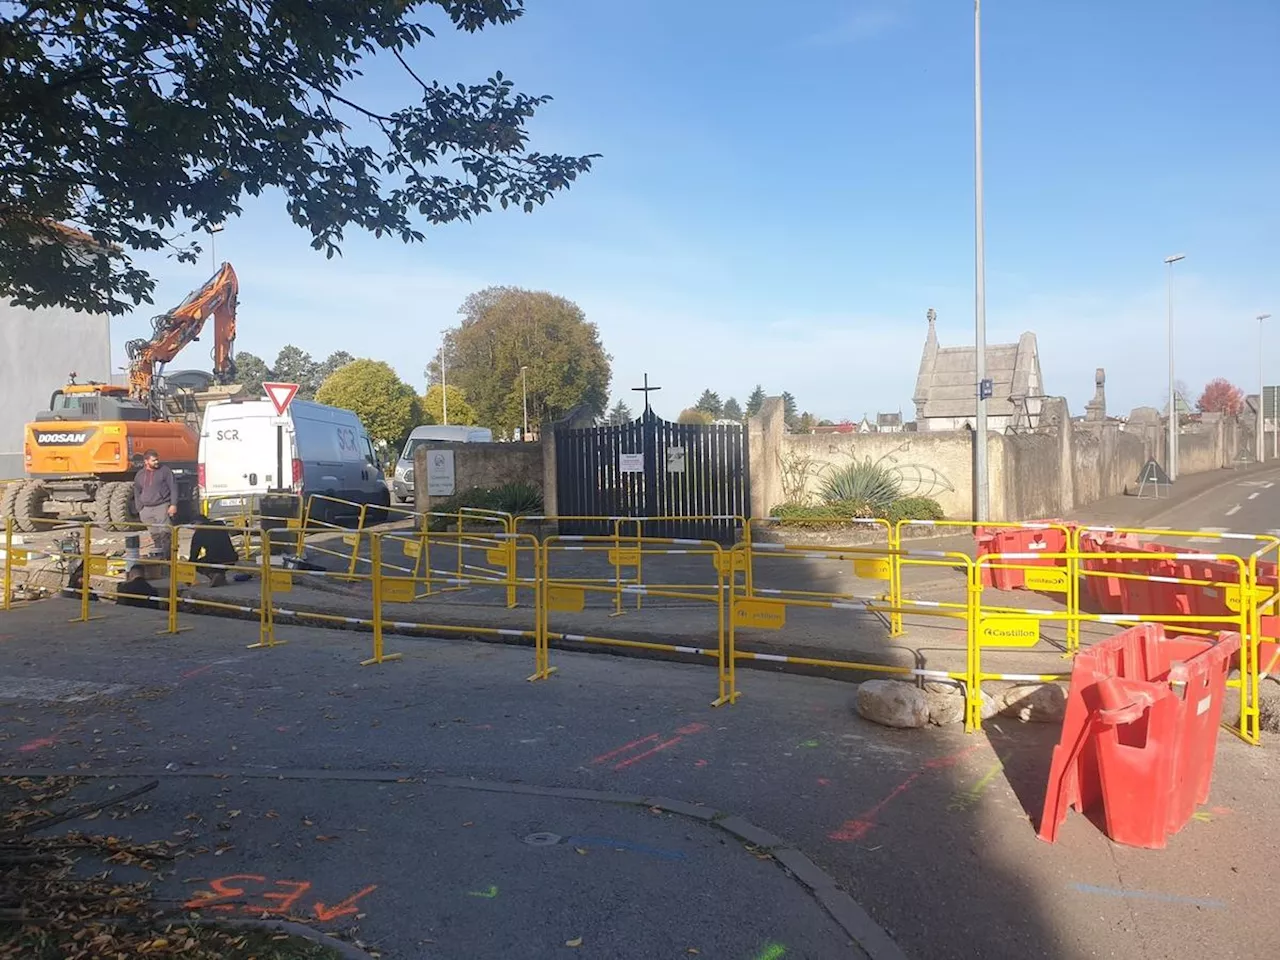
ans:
x=654 y=468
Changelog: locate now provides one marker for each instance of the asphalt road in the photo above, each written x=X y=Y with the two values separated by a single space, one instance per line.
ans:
x=333 y=773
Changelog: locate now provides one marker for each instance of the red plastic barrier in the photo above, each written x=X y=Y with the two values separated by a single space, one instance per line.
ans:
x=1105 y=591
x=1140 y=733
x=1021 y=540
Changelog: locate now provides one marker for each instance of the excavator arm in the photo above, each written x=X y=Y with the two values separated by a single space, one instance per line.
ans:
x=172 y=331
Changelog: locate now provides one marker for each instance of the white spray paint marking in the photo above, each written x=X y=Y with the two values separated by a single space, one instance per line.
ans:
x=50 y=690
x=1234 y=510
x=1209 y=539
x=1255 y=495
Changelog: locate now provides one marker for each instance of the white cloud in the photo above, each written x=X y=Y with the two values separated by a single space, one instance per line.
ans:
x=866 y=22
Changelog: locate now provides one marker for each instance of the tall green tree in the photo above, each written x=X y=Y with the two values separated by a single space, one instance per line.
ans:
x=709 y=403
x=731 y=410
x=619 y=414
x=755 y=401
x=251 y=370
x=332 y=363
x=143 y=123
x=387 y=406
x=506 y=328
x=790 y=411
x=294 y=365
x=461 y=413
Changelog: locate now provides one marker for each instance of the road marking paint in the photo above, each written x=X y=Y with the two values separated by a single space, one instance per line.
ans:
x=1234 y=510
x=1255 y=495
x=857 y=828
x=1147 y=895
x=489 y=894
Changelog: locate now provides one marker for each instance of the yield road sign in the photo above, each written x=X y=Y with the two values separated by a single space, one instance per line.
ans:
x=281 y=395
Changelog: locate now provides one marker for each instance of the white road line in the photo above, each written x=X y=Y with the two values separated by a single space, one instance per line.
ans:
x=1209 y=539
x=1254 y=495
x=1234 y=510
x=1268 y=486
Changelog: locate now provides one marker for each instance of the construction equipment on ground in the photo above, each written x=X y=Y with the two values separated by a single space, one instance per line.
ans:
x=82 y=453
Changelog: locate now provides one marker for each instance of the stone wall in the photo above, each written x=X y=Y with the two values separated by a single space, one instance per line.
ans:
x=1062 y=465
x=482 y=465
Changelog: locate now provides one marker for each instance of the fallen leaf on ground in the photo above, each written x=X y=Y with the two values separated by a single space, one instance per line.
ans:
x=325 y=839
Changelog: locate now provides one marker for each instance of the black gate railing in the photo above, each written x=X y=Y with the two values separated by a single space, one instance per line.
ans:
x=653 y=468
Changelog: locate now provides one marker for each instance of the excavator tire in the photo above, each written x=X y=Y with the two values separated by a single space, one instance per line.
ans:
x=100 y=507
x=120 y=506
x=28 y=507
x=7 y=497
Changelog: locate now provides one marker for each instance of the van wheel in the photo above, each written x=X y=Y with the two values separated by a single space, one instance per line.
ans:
x=120 y=506
x=28 y=506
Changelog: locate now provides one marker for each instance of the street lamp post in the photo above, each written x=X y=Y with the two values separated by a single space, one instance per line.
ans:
x=1262 y=394
x=524 y=402
x=981 y=494
x=444 y=391
x=1171 y=468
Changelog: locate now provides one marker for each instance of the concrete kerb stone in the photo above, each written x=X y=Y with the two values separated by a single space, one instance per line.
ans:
x=340 y=947
x=870 y=939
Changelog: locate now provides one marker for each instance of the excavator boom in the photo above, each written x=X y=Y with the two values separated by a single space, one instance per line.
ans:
x=172 y=331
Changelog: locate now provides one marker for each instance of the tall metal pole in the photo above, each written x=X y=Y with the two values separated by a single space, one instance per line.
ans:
x=1171 y=468
x=444 y=390
x=981 y=493
x=1262 y=394
x=524 y=402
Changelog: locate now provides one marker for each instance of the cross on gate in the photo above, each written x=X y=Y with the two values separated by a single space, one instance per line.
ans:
x=646 y=390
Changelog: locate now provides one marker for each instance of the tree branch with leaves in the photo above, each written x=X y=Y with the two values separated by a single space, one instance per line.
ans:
x=138 y=124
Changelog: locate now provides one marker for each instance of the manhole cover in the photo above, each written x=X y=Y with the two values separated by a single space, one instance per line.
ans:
x=542 y=839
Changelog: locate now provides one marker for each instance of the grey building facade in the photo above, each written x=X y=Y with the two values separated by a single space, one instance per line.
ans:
x=39 y=349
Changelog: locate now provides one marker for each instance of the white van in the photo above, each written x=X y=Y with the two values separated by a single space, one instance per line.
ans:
x=402 y=480
x=325 y=451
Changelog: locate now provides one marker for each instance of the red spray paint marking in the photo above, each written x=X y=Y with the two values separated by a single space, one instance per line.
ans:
x=853 y=830
x=37 y=744
x=699 y=763
x=824 y=782
x=197 y=671
x=681 y=733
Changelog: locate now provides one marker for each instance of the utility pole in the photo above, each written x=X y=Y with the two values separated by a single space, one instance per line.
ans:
x=524 y=402
x=1171 y=468
x=444 y=390
x=981 y=495
x=1262 y=396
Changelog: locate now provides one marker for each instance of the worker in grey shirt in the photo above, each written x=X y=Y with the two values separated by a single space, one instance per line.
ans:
x=155 y=497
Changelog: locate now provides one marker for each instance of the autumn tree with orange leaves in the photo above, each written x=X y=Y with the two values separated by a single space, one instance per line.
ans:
x=1221 y=396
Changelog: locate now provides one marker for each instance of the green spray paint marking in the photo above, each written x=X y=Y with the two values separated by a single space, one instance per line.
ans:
x=982 y=784
x=489 y=894
x=810 y=743
x=772 y=951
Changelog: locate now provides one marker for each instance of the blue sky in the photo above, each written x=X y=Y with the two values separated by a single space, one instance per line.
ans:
x=786 y=188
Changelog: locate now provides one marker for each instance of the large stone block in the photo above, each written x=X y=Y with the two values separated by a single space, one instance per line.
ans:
x=893 y=703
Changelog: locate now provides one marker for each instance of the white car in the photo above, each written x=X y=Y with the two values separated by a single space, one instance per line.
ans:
x=402 y=480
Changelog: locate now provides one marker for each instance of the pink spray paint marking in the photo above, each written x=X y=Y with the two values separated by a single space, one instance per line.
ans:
x=37 y=744
x=854 y=830
x=197 y=671
x=681 y=733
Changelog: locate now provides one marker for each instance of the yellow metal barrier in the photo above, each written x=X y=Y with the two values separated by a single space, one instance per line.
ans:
x=765 y=608
x=568 y=595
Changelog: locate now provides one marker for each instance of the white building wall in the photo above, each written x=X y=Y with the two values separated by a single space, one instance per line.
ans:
x=38 y=350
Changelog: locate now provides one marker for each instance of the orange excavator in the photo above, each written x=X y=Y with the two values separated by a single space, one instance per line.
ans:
x=82 y=453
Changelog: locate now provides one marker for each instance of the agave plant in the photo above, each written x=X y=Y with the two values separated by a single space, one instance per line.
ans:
x=867 y=485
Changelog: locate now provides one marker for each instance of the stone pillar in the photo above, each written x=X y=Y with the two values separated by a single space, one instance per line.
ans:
x=764 y=436
x=547 y=437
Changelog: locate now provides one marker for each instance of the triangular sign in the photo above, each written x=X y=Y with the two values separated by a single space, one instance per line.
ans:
x=281 y=395
x=1152 y=472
